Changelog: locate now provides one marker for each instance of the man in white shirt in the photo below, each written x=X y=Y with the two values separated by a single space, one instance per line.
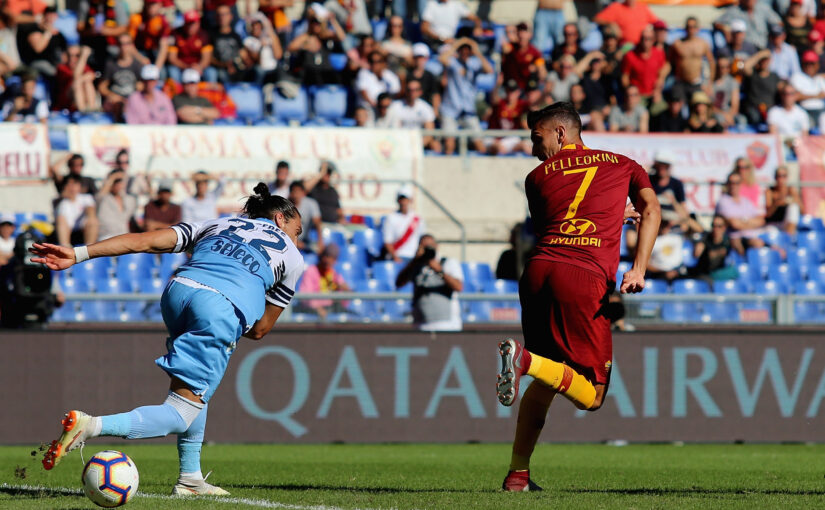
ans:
x=376 y=80
x=204 y=205
x=403 y=229
x=75 y=218
x=810 y=85
x=280 y=186
x=412 y=112
x=310 y=216
x=788 y=118
x=667 y=259
x=440 y=19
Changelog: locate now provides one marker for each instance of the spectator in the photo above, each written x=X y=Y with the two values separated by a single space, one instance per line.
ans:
x=549 y=24
x=75 y=90
x=412 y=112
x=263 y=49
x=817 y=45
x=275 y=13
x=645 y=67
x=75 y=218
x=671 y=120
x=757 y=16
x=744 y=219
x=509 y=113
x=661 y=35
x=671 y=193
x=810 y=86
x=440 y=19
x=311 y=50
x=120 y=77
x=430 y=84
x=9 y=53
x=280 y=186
x=209 y=10
x=712 y=252
x=115 y=208
x=75 y=166
x=760 y=87
x=402 y=229
x=701 y=120
x=161 y=212
x=597 y=89
x=376 y=80
x=687 y=56
x=436 y=282
x=137 y=185
x=359 y=57
x=571 y=44
x=628 y=18
x=785 y=61
x=227 y=48
x=511 y=261
x=150 y=31
x=191 y=49
x=592 y=120
x=7 y=228
x=632 y=117
x=562 y=78
x=459 y=106
x=322 y=278
x=667 y=260
x=788 y=118
x=783 y=205
x=798 y=26
x=41 y=45
x=739 y=48
x=362 y=117
x=191 y=108
x=726 y=95
x=101 y=23
x=522 y=62
x=24 y=107
x=149 y=105
x=310 y=216
x=613 y=55
x=382 y=107
x=203 y=206
x=750 y=187
x=352 y=15
x=320 y=188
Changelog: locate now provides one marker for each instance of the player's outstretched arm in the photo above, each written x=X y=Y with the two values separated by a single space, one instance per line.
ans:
x=651 y=215
x=60 y=257
x=264 y=324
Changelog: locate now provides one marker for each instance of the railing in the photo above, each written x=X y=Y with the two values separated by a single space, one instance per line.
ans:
x=779 y=309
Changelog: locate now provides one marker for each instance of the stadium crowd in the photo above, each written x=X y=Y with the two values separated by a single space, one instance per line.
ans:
x=374 y=63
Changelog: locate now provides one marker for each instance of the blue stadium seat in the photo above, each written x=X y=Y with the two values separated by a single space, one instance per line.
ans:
x=678 y=312
x=811 y=239
x=355 y=254
x=58 y=133
x=725 y=311
x=369 y=239
x=351 y=272
x=808 y=311
x=687 y=253
x=93 y=118
x=318 y=122
x=330 y=102
x=385 y=271
x=786 y=274
x=169 y=262
x=729 y=287
x=500 y=287
x=808 y=222
x=229 y=122
x=107 y=285
x=270 y=122
x=370 y=309
x=92 y=269
x=248 y=99
x=769 y=288
x=135 y=266
x=296 y=108
x=66 y=24
x=335 y=237
x=476 y=311
x=338 y=61
x=803 y=257
x=486 y=82
x=75 y=285
x=690 y=287
x=477 y=273
x=775 y=237
x=99 y=311
x=66 y=313
x=760 y=259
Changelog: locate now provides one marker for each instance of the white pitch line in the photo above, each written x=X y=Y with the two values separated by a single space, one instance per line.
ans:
x=259 y=503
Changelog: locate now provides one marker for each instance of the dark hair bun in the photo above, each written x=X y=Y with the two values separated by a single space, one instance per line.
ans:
x=261 y=189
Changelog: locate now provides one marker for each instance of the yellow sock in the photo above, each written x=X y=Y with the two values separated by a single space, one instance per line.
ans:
x=563 y=379
x=531 y=414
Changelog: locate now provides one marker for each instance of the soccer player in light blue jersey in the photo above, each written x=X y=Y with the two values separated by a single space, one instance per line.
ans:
x=241 y=276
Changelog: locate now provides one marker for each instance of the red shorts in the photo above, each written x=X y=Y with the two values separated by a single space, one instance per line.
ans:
x=562 y=317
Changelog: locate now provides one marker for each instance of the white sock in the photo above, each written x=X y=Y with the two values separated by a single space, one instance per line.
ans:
x=97 y=425
x=197 y=475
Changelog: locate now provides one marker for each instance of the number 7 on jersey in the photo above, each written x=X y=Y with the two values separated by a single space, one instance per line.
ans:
x=589 y=173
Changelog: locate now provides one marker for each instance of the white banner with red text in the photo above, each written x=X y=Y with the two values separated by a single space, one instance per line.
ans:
x=24 y=151
x=700 y=158
x=251 y=153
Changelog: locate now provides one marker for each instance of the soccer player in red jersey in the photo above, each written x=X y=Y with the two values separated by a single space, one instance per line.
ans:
x=577 y=199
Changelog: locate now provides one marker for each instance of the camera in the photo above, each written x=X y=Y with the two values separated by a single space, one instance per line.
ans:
x=429 y=254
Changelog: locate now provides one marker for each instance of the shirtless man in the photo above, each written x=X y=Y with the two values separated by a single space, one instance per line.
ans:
x=686 y=57
x=549 y=21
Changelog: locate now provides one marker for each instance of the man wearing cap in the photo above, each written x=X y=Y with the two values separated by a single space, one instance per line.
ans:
x=149 y=105
x=757 y=16
x=759 y=87
x=189 y=106
x=430 y=85
x=280 y=186
x=192 y=49
x=816 y=41
x=661 y=34
x=7 y=228
x=785 y=60
x=739 y=47
x=687 y=56
x=161 y=212
x=120 y=78
x=810 y=86
x=403 y=229
x=521 y=61
x=412 y=112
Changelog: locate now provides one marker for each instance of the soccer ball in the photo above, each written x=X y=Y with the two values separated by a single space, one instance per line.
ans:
x=110 y=479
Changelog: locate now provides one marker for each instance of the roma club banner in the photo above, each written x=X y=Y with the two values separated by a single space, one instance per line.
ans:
x=700 y=159
x=382 y=384
x=811 y=155
x=24 y=151
x=250 y=154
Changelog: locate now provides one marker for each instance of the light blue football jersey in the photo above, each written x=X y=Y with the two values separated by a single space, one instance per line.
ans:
x=250 y=262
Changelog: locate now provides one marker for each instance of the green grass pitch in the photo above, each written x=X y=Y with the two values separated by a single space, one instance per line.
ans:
x=327 y=477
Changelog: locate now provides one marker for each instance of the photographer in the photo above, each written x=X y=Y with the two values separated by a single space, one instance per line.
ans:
x=435 y=280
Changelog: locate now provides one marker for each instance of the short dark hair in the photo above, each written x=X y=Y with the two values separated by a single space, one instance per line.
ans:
x=121 y=152
x=75 y=157
x=282 y=164
x=297 y=184
x=72 y=178
x=264 y=205
x=563 y=111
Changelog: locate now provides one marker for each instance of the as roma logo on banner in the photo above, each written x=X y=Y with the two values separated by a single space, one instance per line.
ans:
x=758 y=153
x=28 y=133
